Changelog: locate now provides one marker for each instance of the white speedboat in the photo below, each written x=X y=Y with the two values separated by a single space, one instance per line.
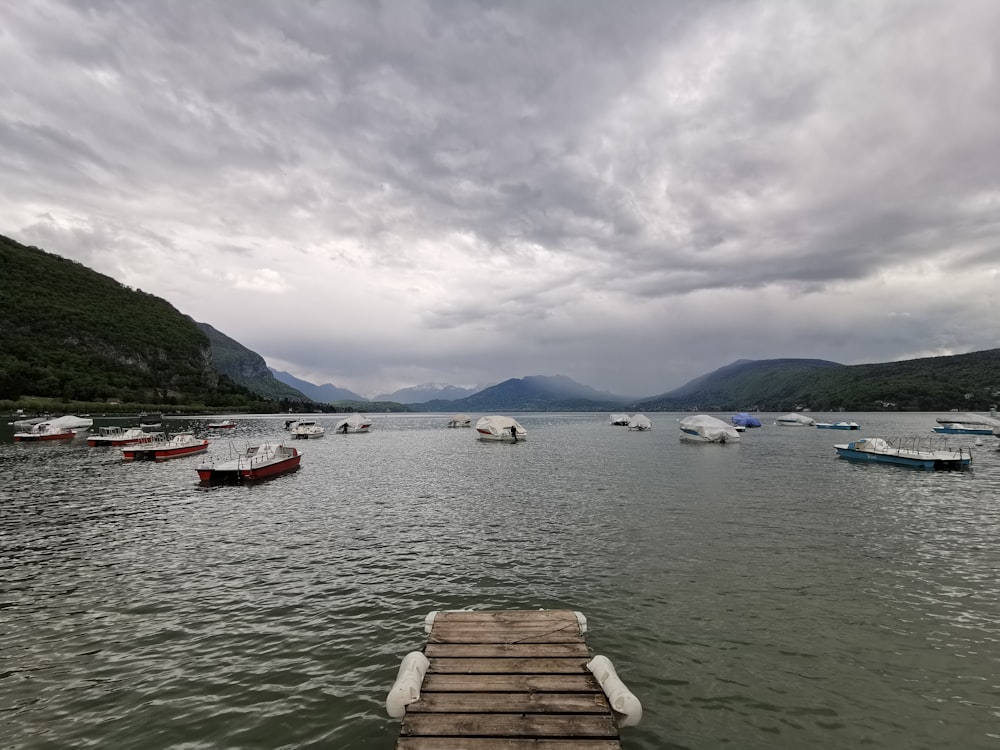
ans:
x=60 y=428
x=620 y=420
x=305 y=429
x=500 y=429
x=460 y=420
x=794 y=419
x=354 y=423
x=703 y=428
x=639 y=422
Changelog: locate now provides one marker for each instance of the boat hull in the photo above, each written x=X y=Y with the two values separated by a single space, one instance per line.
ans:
x=489 y=437
x=964 y=430
x=928 y=460
x=162 y=453
x=238 y=476
x=251 y=467
x=99 y=442
x=31 y=438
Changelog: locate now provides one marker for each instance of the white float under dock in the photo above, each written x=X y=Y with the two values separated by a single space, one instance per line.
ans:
x=509 y=680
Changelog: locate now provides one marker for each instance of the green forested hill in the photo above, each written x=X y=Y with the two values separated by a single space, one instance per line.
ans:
x=968 y=382
x=68 y=332
x=246 y=367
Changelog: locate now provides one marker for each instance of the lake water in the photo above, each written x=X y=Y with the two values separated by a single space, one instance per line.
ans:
x=756 y=595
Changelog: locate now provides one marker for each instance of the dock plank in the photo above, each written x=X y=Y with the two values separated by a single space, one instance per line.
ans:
x=508 y=680
x=509 y=725
x=508 y=665
x=497 y=650
x=511 y=683
x=504 y=743
x=479 y=702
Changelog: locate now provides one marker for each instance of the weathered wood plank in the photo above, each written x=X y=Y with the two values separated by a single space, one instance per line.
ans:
x=505 y=743
x=508 y=725
x=506 y=615
x=492 y=703
x=495 y=650
x=502 y=683
x=465 y=633
x=508 y=680
x=574 y=665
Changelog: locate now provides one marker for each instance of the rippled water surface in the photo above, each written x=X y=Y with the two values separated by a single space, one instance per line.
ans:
x=760 y=595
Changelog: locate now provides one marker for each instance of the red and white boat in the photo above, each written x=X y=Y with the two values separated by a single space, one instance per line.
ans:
x=60 y=428
x=120 y=436
x=181 y=444
x=256 y=462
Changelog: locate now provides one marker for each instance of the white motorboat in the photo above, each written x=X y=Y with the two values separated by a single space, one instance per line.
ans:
x=794 y=419
x=500 y=429
x=354 y=423
x=60 y=428
x=460 y=420
x=639 y=422
x=703 y=428
x=305 y=429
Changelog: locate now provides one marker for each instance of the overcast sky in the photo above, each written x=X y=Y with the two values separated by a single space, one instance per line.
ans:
x=632 y=194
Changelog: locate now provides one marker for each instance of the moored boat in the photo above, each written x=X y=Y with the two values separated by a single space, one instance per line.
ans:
x=795 y=419
x=225 y=424
x=501 y=429
x=742 y=419
x=967 y=424
x=115 y=436
x=620 y=420
x=460 y=420
x=256 y=462
x=306 y=429
x=838 y=426
x=915 y=452
x=703 y=428
x=354 y=423
x=60 y=428
x=163 y=449
x=639 y=422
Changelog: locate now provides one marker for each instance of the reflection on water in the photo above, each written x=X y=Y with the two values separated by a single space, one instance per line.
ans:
x=765 y=594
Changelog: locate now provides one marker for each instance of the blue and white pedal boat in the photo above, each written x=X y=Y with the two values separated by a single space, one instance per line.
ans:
x=915 y=452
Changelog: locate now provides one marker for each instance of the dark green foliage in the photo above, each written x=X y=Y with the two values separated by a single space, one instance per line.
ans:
x=246 y=367
x=70 y=333
x=968 y=382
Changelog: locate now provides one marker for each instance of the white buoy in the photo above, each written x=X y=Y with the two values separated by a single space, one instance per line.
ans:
x=406 y=689
x=620 y=697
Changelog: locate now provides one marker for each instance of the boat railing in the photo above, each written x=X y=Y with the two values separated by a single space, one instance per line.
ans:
x=927 y=445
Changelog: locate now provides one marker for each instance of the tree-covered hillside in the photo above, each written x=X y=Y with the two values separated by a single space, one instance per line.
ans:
x=246 y=367
x=71 y=333
x=968 y=382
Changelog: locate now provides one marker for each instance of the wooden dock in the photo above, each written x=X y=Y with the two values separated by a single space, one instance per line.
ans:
x=507 y=680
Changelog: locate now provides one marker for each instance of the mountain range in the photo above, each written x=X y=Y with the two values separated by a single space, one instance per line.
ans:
x=70 y=334
x=324 y=394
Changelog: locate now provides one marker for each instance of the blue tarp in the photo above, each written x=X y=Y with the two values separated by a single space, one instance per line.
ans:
x=745 y=420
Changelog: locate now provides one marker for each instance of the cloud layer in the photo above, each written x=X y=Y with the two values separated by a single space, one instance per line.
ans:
x=378 y=195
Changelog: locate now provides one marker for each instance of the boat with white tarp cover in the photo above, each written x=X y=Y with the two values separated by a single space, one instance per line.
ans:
x=704 y=428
